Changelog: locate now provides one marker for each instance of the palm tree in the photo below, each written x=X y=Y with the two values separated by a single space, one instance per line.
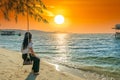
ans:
x=33 y=8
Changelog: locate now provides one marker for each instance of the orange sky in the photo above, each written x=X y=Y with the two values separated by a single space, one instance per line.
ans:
x=81 y=16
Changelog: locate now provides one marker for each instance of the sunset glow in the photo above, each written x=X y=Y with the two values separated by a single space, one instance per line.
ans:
x=80 y=16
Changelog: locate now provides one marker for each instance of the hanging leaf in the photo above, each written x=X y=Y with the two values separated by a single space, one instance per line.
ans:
x=45 y=21
x=39 y=19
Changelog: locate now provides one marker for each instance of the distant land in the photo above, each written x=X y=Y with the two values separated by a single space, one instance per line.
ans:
x=39 y=31
x=32 y=31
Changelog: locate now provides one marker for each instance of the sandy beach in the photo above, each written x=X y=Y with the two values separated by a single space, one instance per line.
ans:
x=11 y=68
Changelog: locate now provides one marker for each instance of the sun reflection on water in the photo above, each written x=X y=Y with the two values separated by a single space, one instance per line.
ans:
x=62 y=46
x=61 y=42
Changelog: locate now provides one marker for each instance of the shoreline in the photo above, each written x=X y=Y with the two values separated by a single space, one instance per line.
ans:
x=65 y=69
x=85 y=74
x=11 y=68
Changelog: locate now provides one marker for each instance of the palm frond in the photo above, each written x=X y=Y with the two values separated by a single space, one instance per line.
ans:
x=34 y=8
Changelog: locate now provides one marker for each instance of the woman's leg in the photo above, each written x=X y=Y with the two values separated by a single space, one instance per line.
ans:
x=27 y=60
x=36 y=62
x=24 y=56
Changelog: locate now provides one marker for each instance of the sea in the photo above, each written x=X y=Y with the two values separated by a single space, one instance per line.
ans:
x=90 y=56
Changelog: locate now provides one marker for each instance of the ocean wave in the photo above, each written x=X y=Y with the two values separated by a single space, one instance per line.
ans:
x=100 y=60
x=102 y=71
x=46 y=52
x=108 y=72
x=46 y=45
x=79 y=48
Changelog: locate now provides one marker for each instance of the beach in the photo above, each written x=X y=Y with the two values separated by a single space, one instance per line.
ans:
x=11 y=68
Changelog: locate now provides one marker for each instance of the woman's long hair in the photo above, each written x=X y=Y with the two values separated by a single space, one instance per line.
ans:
x=27 y=39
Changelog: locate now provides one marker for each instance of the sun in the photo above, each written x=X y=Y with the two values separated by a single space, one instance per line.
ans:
x=59 y=19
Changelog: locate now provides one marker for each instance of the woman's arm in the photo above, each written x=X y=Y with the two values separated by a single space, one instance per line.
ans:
x=32 y=51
